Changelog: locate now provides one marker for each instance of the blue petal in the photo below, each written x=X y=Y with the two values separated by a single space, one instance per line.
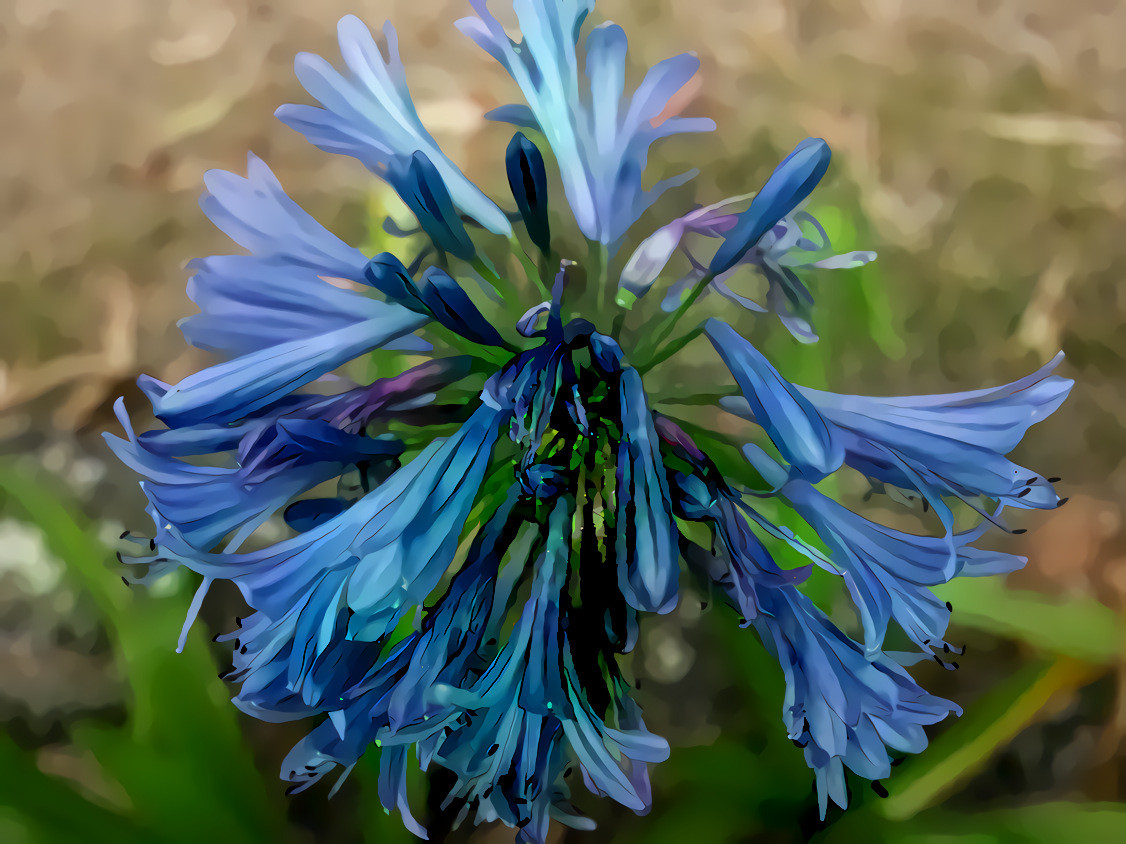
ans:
x=791 y=182
x=248 y=305
x=206 y=503
x=804 y=439
x=648 y=556
x=420 y=186
x=888 y=572
x=600 y=140
x=951 y=444
x=845 y=709
x=527 y=177
x=258 y=215
x=370 y=115
x=236 y=388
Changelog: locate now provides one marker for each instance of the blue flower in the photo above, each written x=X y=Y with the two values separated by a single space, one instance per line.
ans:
x=509 y=509
x=600 y=142
x=941 y=446
x=888 y=572
x=370 y=115
x=780 y=247
x=845 y=709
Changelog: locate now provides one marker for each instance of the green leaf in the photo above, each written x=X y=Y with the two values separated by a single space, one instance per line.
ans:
x=992 y=723
x=50 y=810
x=1079 y=627
x=180 y=756
x=1047 y=823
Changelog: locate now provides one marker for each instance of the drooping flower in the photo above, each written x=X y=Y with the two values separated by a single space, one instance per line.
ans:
x=509 y=504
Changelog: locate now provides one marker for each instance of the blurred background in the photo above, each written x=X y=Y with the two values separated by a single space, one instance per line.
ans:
x=978 y=148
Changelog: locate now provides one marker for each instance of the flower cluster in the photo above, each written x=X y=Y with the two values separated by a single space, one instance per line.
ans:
x=507 y=501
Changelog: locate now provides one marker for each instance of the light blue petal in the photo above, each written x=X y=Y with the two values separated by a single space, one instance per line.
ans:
x=236 y=388
x=600 y=139
x=845 y=709
x=258 y=215
x=647 y=551
x=802 y=436
x=369 y=115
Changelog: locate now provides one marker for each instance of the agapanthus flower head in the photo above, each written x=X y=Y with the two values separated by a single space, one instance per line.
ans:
x=484 y=495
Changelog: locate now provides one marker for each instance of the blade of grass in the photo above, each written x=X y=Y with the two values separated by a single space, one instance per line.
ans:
x=994 y=721
x=1079 y=627
x=180 y=756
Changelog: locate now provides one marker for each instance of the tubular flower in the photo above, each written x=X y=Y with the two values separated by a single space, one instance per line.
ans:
x=511 y=496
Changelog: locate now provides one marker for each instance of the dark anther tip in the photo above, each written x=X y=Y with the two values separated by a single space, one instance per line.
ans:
x=878 y=787
x=223 y=675
x=949 y=607
x=238 y=621
x=215 y=638
x=1024 y=492
x=1054 y=480
x=1019 y=531
x=895 y=763
x=1062 y=501
x=125 y=580
x=124 y=534
x=703 y=605
x=1029 y=482
x=290 y=791
x=955 y=666
x=152 y=544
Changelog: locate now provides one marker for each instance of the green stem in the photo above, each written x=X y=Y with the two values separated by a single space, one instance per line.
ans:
x=671 y=349
x=535 y=274
x=598 y=265
x=666 y=326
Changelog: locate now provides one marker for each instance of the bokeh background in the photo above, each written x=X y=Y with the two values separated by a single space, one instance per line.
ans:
x=978 y=148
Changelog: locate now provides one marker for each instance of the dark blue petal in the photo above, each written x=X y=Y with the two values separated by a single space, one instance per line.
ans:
x=790 y=183
x=420 y=186
x=804 y=439
x=527 y=178
x=307 y=514
x=454 y=309
x=437 y=295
